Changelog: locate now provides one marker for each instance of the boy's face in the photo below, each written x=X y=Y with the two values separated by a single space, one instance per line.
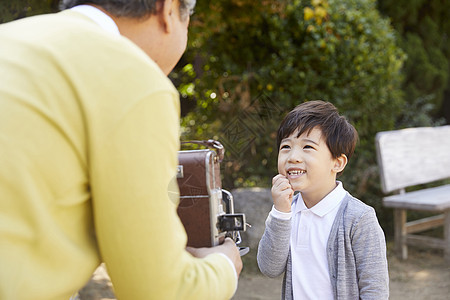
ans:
x=308 y=164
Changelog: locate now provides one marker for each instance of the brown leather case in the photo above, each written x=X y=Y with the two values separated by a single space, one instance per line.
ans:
x=200 y=196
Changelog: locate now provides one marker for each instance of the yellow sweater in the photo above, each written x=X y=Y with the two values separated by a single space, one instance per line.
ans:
x=88 y=151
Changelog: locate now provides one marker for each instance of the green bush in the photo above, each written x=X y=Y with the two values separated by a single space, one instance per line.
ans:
x=16 y=9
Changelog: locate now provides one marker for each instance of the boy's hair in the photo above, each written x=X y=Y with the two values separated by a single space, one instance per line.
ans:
x=340 y=136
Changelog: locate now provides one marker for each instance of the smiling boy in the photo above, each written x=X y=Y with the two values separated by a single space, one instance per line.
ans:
x=328 y=244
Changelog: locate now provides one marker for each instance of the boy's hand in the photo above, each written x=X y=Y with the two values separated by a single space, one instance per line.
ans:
x=282 y=193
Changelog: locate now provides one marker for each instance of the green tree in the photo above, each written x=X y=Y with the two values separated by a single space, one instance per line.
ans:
x=424 y=27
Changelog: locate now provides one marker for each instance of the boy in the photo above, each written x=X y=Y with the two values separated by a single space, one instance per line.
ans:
x=328 y=244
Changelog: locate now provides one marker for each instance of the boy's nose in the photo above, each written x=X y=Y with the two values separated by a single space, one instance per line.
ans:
x=294 y=157
x=294 y=160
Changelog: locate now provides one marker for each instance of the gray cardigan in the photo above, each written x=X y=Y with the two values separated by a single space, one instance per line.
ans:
x=356 y=252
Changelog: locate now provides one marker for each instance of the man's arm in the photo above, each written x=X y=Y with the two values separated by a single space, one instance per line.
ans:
x=140 y=236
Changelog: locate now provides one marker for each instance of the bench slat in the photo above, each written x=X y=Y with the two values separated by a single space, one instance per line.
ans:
x=412 y=156
x=424 y=224
x=432 y=199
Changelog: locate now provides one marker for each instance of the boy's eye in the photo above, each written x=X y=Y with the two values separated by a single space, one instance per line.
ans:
x=284 y=147
x=308 y=147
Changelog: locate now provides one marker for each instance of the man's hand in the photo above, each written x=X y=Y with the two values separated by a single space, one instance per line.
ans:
x=228 y=248
x=282 y=193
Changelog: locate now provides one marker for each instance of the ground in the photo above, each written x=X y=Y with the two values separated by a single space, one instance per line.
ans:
x=425 y=275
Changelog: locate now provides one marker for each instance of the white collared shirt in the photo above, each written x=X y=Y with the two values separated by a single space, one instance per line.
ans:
x=98 y=17
x=309 y=236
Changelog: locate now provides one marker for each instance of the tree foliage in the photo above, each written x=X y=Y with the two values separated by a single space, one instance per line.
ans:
x=424 y=28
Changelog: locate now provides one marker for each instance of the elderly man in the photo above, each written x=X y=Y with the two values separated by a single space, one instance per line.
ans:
x=89 y=126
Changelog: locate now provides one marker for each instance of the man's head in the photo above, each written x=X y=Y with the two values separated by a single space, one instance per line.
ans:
x=339 y=135
x=158 y=27
x=130 y=8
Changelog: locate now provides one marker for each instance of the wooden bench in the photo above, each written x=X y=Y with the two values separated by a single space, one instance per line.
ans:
x=407 y=158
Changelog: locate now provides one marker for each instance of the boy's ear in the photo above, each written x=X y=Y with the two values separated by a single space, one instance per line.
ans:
x=340 y=163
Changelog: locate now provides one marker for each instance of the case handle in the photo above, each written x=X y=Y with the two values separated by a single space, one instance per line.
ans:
x=212 y=144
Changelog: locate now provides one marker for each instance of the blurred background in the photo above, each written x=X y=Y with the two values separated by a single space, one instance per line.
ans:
x=384 y=64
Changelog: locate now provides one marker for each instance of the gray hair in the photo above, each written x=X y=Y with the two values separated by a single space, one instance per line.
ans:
x=130 y=8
